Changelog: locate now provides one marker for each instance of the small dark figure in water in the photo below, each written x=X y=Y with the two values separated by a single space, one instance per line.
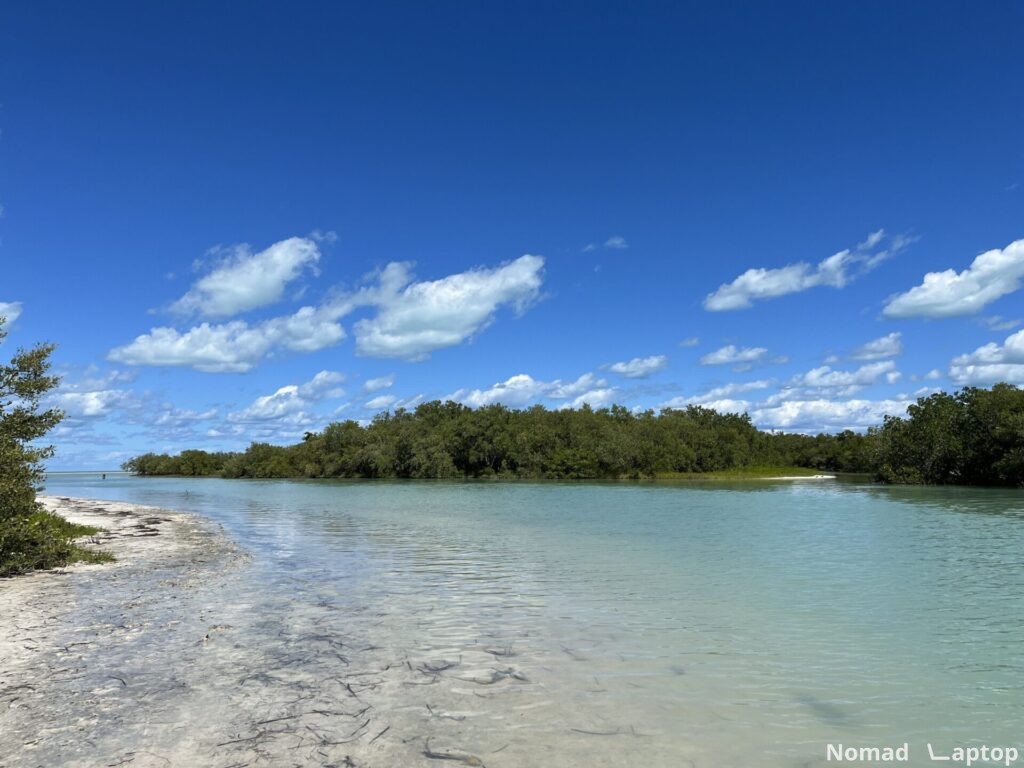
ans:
x=104 y=475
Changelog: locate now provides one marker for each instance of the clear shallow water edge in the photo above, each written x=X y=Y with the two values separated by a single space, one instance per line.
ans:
x=720 y=624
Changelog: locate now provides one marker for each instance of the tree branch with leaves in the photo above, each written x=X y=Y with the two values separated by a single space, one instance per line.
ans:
x=30 y=537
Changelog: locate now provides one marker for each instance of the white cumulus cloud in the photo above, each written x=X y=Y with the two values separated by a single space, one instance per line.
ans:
x=741 y=358
x=810 y=414
x=292 y=398
x=176 y=418
x=409 y=403
x=89 y=394
x=233 y=347
x=595 y=398
x=1000 y=323
x=950 y=293
x=824 y=380
x=879 y=349
x=381 y=382
x=246 y=280
x=412 y=319
x=9 y=312
x=381 y=402
x=522 y=388
x=80 y=405
x=640 y=367
x=816 y=401
x=835 y=271
x=417 y=318
x=991 y=363
x=559 y=390
x=515 y=390
x=721 y=398
x=825 y=415
x=733 y=354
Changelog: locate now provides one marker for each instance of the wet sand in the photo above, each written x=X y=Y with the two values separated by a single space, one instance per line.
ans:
x=802 y=477
x=171 y=657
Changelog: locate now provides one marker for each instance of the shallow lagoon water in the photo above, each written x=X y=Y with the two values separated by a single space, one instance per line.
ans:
x=651 y=623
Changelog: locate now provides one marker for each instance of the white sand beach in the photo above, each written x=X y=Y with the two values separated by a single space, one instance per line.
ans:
x=169 y=657
x=802 y=477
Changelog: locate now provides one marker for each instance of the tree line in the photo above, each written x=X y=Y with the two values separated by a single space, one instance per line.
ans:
x=449 y=440
x=975 y=436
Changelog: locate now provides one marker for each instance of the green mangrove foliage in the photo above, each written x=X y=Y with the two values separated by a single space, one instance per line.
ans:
x=30 y=537
x=972 y=437
x=450 y=440
x=975 y=436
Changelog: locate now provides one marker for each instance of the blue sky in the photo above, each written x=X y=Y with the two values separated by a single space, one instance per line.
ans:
x=243 y=222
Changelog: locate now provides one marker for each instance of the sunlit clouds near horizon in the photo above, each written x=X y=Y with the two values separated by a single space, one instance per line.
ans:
x=408 y=319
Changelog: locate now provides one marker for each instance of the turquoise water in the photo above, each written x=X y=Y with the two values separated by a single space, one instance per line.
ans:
x=743 y=624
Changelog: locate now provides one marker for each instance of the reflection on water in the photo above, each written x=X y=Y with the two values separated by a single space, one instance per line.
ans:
x=653 y=624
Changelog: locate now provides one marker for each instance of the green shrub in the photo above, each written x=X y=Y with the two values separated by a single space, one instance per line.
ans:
x=31 y=538
x=44 y=540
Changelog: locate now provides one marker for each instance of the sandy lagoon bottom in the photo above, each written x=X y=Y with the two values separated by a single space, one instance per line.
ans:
x=178 y=656
x=375 y=624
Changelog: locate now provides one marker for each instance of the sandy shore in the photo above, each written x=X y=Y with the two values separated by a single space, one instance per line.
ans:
x=175 y=655
x=802 y=477
x=64 y=633
x=31 y=606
